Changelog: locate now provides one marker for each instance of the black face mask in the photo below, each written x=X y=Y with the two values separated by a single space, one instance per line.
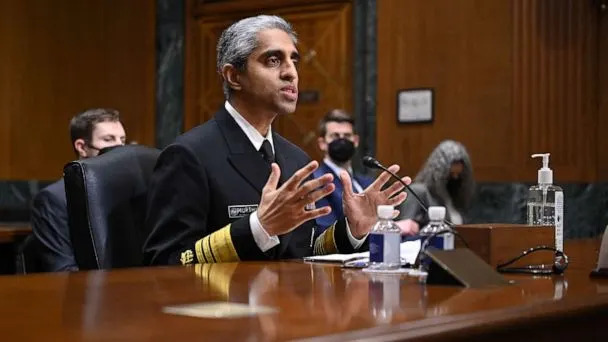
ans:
x=453 y=186
x=341 y=150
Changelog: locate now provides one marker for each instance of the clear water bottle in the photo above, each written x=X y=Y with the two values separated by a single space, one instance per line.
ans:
x=437 y=224
x=385 y=241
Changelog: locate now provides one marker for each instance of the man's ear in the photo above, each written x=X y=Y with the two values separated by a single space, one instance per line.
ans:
x=322 y=144
x=231 y=76
x=79 y=146
x=356 y=140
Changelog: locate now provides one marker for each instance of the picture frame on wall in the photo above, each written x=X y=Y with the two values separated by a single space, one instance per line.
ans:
x=415 y=105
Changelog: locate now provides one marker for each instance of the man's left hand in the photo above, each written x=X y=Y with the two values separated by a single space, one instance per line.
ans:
x=360 y=209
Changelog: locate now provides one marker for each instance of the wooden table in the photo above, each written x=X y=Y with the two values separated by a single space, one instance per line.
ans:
x=313 y=302
x=10 y=232
x=11 y=235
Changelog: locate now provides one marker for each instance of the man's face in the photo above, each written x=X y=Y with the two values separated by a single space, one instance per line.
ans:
x=270 y=82
x=337 y=130
x=105 y=134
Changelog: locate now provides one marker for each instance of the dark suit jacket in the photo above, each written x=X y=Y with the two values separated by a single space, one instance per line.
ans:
x=334 y=200
x=50 y=228
x=203 y=190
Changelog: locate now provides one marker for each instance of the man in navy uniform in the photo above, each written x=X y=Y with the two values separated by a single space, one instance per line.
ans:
x=232 y=189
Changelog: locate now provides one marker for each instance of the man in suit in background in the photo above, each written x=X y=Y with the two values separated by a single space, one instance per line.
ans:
x=90 y=132
x=232 y=189
x=338 y=141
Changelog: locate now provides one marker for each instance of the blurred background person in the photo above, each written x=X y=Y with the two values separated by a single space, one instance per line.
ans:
x=446 y=179
x=338 y=142
x=90 y=132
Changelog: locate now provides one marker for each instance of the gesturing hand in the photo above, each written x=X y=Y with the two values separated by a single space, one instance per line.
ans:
x=282 y=210
x=360 y=209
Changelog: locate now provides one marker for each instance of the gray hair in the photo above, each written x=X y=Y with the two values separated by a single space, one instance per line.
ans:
x=435 y=172
x=239 y=40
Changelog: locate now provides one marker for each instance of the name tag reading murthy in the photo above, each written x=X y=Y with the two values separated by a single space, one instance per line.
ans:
x=236 y=211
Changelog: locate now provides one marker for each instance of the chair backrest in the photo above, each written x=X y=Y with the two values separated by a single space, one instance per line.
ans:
x=106 y=198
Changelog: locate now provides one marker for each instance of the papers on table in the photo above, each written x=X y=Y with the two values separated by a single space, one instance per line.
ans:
x=409 y=252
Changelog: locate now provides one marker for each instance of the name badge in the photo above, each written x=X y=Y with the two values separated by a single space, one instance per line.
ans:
x=236 y=211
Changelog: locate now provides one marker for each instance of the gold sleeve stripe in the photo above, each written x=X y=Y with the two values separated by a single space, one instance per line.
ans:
x=217 y=247
x=198 y=246
x=210 y=249
x=222 y=238
x=206 y=250
x=326 y=243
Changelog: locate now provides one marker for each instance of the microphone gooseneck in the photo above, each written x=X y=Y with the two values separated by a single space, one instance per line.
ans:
x=373 y=163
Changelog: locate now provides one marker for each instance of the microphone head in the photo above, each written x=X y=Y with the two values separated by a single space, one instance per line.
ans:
x=371 y=162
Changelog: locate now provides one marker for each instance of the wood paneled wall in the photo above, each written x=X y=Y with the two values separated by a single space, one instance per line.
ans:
x=511 y=78
x=602 y=128
x=60 y=57
x=324 y=30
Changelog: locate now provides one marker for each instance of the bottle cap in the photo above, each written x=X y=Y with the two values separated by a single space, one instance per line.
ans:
x=385 y=211
x=545 y=174
x=436 y=213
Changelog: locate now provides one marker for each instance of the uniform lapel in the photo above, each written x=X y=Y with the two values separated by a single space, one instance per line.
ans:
x=247 y=161
x=287 y=165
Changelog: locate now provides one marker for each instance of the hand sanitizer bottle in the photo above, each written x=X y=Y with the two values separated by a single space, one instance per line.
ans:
x=385 y=241
x=546 y=202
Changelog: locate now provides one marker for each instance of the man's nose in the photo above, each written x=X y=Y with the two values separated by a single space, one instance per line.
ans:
x=289 y=71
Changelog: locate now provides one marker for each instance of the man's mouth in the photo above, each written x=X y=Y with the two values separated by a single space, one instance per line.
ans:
x=290 y=92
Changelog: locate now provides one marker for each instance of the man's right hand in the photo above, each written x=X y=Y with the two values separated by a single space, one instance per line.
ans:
x=282 y=210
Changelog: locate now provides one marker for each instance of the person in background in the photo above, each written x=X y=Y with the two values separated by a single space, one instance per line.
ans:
x=446 y=179
x=338 y=142
x=90 y=131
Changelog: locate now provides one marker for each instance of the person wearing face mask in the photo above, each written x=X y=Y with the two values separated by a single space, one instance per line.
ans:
x=446 y=179
x=90 y=132
x=338 y=141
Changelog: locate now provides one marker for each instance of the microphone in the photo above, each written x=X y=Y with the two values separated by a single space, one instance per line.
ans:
x=373 y=163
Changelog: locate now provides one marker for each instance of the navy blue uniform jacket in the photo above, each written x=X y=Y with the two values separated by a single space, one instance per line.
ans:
x=203 y=189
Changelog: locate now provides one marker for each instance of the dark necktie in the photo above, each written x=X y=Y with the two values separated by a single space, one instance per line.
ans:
x=266 y=152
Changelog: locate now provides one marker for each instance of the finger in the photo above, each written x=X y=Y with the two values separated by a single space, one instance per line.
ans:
x=294 y=181
x=273 y=179
x=395 y=201
x=383 y=178
x=395 y=213
x=393 y=189
x=347 y=184
x=316 y=195
x=314 y=184
x=407 y=180
x=313 y=214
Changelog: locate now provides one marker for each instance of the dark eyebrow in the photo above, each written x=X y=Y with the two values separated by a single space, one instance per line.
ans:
x=270 y=53
x=279 y=53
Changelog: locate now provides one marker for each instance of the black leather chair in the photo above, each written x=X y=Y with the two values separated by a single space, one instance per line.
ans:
x=106 y=198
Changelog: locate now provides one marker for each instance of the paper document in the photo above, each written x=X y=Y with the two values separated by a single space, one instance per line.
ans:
x=409 y=252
